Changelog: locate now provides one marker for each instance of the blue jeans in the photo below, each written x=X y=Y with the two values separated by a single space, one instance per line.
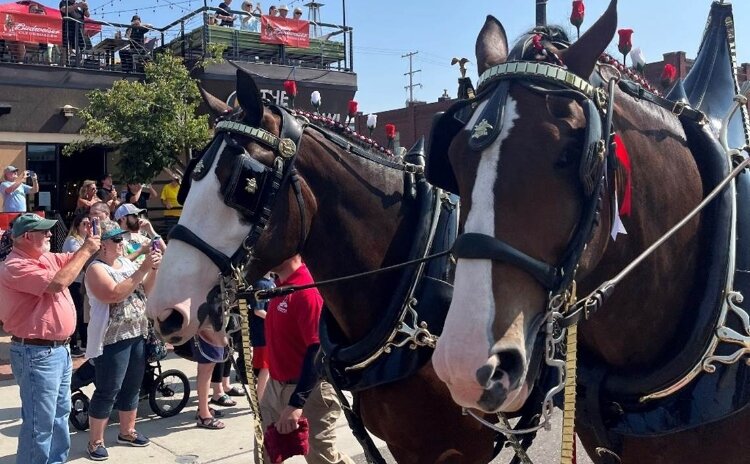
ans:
x=43 y=377
x=119 y=374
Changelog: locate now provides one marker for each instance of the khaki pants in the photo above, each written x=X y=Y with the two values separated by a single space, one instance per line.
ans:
x=322 y=410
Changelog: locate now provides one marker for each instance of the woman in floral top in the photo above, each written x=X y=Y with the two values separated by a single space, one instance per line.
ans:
x=117 y=290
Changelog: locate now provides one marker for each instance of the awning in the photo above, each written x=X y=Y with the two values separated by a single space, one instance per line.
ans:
x=31 y=22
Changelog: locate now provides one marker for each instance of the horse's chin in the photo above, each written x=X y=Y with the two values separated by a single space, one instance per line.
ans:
x=474 y=397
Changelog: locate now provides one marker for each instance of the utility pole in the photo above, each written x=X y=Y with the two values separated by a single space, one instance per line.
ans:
x=411 y=74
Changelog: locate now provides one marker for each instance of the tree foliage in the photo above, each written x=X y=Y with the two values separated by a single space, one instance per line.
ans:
x=153 y=122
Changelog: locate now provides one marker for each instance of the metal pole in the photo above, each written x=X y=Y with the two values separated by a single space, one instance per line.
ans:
x=343 y=16
x=541 y=12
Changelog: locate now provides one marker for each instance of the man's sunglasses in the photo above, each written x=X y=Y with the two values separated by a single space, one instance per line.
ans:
x=116 y=239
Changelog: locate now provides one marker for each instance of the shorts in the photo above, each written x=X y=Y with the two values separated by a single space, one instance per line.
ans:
x=207 y=353
x=260 y=357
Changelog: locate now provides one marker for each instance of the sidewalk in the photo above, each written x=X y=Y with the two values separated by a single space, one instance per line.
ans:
x=174 y=439
x=178 y=440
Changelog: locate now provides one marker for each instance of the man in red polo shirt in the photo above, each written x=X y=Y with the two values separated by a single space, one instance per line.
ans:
x=294 y=388
x=39 y=314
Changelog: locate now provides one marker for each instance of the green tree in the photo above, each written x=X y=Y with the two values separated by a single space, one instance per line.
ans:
x=152 y=122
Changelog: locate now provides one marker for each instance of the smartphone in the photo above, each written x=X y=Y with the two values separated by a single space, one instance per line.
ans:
x=154 y=245
x=95 y=226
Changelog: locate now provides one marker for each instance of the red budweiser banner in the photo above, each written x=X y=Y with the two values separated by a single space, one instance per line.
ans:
x=33 y=22
x=285 y=31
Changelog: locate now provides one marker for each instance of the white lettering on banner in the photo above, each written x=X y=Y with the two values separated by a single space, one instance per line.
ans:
x=41 y=30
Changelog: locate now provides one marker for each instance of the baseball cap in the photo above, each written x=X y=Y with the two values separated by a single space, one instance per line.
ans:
x=298 y=10
x=11 y=169
x=30 y=222
x=110 y=229
x=283 y=7
x=125 y=209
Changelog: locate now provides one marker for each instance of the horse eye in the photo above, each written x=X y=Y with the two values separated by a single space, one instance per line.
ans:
x=559 y=107
x=572 y=150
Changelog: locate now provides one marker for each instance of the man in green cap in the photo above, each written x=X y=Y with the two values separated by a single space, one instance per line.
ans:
x=39 y=314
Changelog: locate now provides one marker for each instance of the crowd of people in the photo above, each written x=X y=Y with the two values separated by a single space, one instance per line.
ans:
x=249 y=21
x=90 y=301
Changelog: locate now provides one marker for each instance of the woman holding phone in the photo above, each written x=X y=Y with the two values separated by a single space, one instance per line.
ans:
x=117 y=289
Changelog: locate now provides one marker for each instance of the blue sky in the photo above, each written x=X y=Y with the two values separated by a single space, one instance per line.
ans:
x=440 y=29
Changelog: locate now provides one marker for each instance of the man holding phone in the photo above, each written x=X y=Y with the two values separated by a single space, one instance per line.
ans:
x=14 y=189
x=39 y=314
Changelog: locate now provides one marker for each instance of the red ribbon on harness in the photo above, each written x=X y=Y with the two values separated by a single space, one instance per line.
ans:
x=622 y=157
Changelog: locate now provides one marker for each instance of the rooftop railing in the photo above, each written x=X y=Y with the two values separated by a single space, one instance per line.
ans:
x=189 y=37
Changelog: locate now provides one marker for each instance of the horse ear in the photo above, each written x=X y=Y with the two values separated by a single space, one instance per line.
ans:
x=215 y=105
x=492 y=45
x=581 y=57
x=248 y=96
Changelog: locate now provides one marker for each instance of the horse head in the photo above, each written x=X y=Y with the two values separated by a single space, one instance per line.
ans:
x=228 y=194
x=519 y=155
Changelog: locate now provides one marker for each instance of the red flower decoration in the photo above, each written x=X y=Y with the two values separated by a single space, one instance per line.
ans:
x=536 y=41
x=390 y=131
x=626 y=41
x=668 y=75
x=353 y=106
x=576 y=16
x=291 y=88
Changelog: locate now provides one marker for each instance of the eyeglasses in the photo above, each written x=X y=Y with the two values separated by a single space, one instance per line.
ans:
x=116 y=239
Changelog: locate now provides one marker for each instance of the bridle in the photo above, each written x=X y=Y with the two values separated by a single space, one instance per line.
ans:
x=252 y=191
x=596 y=159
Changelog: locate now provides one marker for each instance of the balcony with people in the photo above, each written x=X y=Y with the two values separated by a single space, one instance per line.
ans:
x=69 y=36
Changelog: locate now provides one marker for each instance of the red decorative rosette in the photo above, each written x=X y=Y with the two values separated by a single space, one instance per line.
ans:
x=626 y=41
x=352 y=108
x=576 y=16
x=668 y=75
x=390 y=131
x=290 y=87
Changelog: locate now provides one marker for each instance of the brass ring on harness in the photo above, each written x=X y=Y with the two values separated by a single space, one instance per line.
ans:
x=287 y=148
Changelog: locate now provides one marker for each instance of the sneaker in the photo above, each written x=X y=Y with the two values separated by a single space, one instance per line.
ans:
x=76 y=352
x=133 y=439
x=97 y=451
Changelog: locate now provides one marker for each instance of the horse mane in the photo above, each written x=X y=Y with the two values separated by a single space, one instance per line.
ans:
x=329 y=124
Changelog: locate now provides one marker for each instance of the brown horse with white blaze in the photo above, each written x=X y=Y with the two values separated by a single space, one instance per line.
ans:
x=517 y=162
x=348 y=214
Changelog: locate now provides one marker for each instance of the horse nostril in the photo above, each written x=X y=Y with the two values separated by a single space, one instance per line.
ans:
x=505 y=363
x=173 y=323
x=486 y=373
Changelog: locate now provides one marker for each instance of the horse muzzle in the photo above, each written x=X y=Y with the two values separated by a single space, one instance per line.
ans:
x=174 y=324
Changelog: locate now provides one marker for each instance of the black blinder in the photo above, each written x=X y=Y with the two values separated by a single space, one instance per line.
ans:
x=182 y=193
x=490 y=123
x=445 y=126
x=594 y=150
x=198 y=167
x=244 y=189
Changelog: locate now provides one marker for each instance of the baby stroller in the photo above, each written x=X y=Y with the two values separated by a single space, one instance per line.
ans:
x=168 y=392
